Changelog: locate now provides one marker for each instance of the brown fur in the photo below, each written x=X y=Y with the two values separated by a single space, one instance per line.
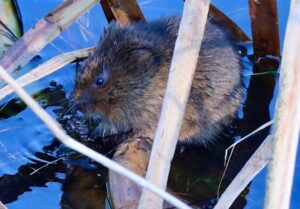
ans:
x=135 y=62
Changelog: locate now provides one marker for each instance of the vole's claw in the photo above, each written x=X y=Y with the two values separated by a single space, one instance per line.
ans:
x=70 y=126
x=83 y=129
x=95 y=134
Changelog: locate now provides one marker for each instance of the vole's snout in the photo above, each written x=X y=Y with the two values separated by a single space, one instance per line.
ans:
x=71 y=103
x=86 y=102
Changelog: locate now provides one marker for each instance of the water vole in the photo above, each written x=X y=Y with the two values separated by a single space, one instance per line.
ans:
x=122 y=83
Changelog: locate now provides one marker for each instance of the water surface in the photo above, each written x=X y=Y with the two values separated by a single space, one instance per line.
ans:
x=37 y=172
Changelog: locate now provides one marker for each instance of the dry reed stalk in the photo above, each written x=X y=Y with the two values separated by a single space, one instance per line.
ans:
x=2 y=206
x=182 y=70
x=43 y=32
x=47 y=68
x=252 y=167
x=124 y=11
x=232 y=146
x=77 y=146
x=286 y=119
x=264 y=24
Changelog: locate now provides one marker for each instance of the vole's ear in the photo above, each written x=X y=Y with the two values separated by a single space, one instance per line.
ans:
x=79 y=68
x=111 y=27
x=142 y=54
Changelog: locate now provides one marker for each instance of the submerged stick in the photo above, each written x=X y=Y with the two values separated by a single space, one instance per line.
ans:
x=46 y=68
x=43 y=32
x=252 y=167
x=182 y=70
x=286 y=119
x=77 y=146
x=265 y=31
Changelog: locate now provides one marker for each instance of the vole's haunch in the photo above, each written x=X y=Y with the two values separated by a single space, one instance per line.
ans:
x=123 y=82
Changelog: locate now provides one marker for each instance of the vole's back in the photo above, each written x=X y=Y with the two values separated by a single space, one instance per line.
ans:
x=137 y=59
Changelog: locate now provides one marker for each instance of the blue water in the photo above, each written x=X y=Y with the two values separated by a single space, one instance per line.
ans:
x=17 y=146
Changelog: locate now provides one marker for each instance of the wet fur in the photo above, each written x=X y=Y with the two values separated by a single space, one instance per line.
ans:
x=136 y=59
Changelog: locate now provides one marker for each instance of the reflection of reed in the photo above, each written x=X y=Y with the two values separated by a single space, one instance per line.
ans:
x=83 y=189
x=12 y=186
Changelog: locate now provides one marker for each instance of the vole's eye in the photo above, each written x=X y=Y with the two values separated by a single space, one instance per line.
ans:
x=100 y=81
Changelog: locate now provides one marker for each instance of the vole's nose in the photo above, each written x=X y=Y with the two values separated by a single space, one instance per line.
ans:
x=71 y=103
x=85 y=100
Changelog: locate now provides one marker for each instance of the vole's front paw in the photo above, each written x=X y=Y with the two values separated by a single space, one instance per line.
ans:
x=83 y=131
x=78 y=128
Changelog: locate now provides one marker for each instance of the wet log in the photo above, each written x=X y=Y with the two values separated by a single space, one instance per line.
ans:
x=133 y=155
x=124 y=11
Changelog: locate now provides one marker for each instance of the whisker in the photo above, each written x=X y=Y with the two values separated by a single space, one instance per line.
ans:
x=71 y=108
x=59 y=101
x=89 y=120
